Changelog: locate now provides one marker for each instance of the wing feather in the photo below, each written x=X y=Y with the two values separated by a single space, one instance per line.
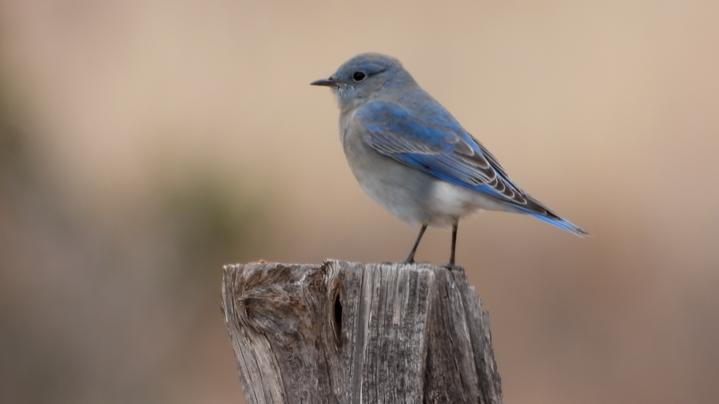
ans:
x=438 y=145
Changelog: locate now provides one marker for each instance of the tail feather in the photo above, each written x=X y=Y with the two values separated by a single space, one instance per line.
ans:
x=562 y=224
x=541 y=212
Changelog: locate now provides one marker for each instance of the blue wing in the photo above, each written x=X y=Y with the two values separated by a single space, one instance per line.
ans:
x=425 y=136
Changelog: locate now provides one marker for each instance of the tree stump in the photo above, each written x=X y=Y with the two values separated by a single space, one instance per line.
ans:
x=344 y=332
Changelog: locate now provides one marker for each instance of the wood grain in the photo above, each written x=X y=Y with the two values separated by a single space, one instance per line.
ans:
x=344 y=332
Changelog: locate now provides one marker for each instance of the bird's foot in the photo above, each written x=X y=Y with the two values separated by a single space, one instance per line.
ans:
x=453 y=267
x=409 y=260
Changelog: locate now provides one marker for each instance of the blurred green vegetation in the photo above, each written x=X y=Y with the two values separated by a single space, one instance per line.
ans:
x=209 y=226
x=98 y=313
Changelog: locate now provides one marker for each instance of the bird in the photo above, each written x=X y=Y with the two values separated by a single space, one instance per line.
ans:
x=412 y=157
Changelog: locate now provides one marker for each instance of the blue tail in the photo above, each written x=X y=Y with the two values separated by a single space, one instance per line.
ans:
x=551 y=218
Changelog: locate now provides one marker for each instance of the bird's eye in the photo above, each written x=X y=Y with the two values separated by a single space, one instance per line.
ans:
x=358 y=76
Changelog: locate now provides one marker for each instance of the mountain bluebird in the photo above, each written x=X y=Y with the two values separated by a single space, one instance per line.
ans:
x=412 y=157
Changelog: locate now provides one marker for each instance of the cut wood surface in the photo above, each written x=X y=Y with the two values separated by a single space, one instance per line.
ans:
x=344 y=332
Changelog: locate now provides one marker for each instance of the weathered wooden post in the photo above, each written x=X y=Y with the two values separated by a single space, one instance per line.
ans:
x=345 y=332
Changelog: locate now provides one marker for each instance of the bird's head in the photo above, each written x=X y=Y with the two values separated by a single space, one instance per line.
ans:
x=365 y=76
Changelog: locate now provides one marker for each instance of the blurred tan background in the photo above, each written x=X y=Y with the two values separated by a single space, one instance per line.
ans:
x=145 y=143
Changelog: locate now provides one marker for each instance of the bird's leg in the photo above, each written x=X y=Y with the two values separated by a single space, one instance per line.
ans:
x=410 y=257
x=451 y=265
x=454 y=243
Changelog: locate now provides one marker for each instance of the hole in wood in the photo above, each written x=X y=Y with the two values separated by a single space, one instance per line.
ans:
x=338 y=320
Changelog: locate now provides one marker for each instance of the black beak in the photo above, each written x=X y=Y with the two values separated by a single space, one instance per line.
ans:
x=328 y=82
